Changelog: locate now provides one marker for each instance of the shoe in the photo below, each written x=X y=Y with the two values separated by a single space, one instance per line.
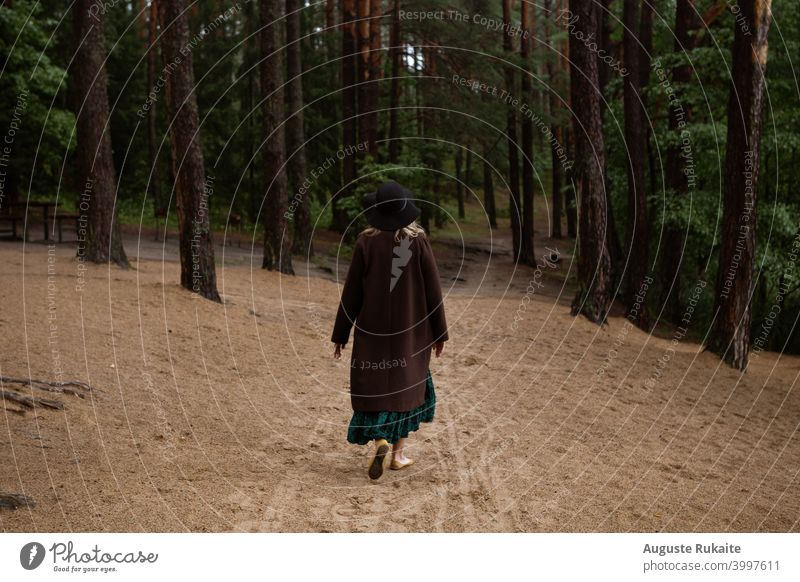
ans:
x=395 y=466
x=376 y=466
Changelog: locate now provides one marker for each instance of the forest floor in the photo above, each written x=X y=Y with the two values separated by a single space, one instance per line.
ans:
x=233 y=416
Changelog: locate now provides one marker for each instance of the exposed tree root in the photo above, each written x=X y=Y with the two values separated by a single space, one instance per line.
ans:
x=15 y=501
x=28 y=402
x=68 y=387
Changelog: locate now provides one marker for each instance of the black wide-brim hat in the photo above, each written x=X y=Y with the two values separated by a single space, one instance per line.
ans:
x=390 y=207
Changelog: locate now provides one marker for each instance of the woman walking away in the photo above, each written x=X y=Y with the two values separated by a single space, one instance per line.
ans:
x=393 y=296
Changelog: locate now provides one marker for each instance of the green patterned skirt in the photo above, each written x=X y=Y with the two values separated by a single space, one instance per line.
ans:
x=392 y=426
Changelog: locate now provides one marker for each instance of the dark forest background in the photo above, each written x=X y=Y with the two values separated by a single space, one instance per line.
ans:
x=420 y=100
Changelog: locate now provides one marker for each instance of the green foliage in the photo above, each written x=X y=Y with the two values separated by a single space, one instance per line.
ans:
x=437 y=115
x=32 y=115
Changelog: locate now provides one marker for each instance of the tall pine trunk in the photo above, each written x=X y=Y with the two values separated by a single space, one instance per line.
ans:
x=154 y=185
x=277 y=239
x=394 y=96
x=375 y=72
x=526 y=252
x=635 y=119
x=365 y=83
x=330 y=25
x=646 y=40
x=570 y=200
x=349 y=111
x=555 y=139
x=295 y=133
x=95 y=159
x=488 y=191
x=198 y=272
x=603 y=77
x=514 y=203
x=734 y=288
x=676 y=181
x=459 y=182
x=593 y=297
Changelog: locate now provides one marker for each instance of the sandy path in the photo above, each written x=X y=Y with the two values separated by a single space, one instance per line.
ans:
x=232 y=417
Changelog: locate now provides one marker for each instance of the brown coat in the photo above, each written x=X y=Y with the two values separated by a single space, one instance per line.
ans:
x=393 y=294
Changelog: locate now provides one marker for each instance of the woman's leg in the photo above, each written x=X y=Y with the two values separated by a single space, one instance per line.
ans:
x=397 y=451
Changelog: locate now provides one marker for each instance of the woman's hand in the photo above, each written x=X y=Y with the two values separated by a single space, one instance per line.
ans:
x=438 y=348
x=337 y=351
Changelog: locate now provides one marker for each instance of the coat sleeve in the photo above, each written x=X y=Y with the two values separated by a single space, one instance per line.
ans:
x=433 y=292
x=352 y=297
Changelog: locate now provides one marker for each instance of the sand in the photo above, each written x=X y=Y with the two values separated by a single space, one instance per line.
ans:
x=233 y=416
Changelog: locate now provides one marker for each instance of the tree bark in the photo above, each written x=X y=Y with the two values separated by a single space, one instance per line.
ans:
x=603 y=70
x=526 y=253
x=570 y=200
x=394 y=97
x=646 y=40
x=95 y=158
x=459 y=182
x=468 y=167
x=375 y=72
x=349 y=128
x=734 y=288
x=488 y=191
x=277 y=239
x=364 y=79
x=198 y=272
x=555 y=139
x=331 y=43
x=514 y=203
x=593 y=297
x=676 y=181
x=635 y=119
x=603 y=76
x=295 y=133
x=153 y=186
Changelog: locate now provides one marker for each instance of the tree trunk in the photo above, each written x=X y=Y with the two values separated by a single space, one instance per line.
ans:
x=252 y=54
x=731 y=337
x=295 y=133
x=603 y=70
x=375 y=73
x=526 y=253
x=198 y=273
x=557 y=199
x=417 y=95
x=394 y=97
x=468 y=167
x=676 y=181
x=488 y=191
x=593 y=297
x=364 y=80
x=459 y=183
x=603 y=76
x=514 y=205
x=635 y=119
x=555 y=140
x=153 y=185
x=331 y=37
x=646 y=40
x=277 y=240
x=95 y=159
x=349 y=128
x=571 y=200
x=571 y=203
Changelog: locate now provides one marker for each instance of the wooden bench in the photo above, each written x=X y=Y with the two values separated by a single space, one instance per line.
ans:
x=71 y=220
x=9 y=222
